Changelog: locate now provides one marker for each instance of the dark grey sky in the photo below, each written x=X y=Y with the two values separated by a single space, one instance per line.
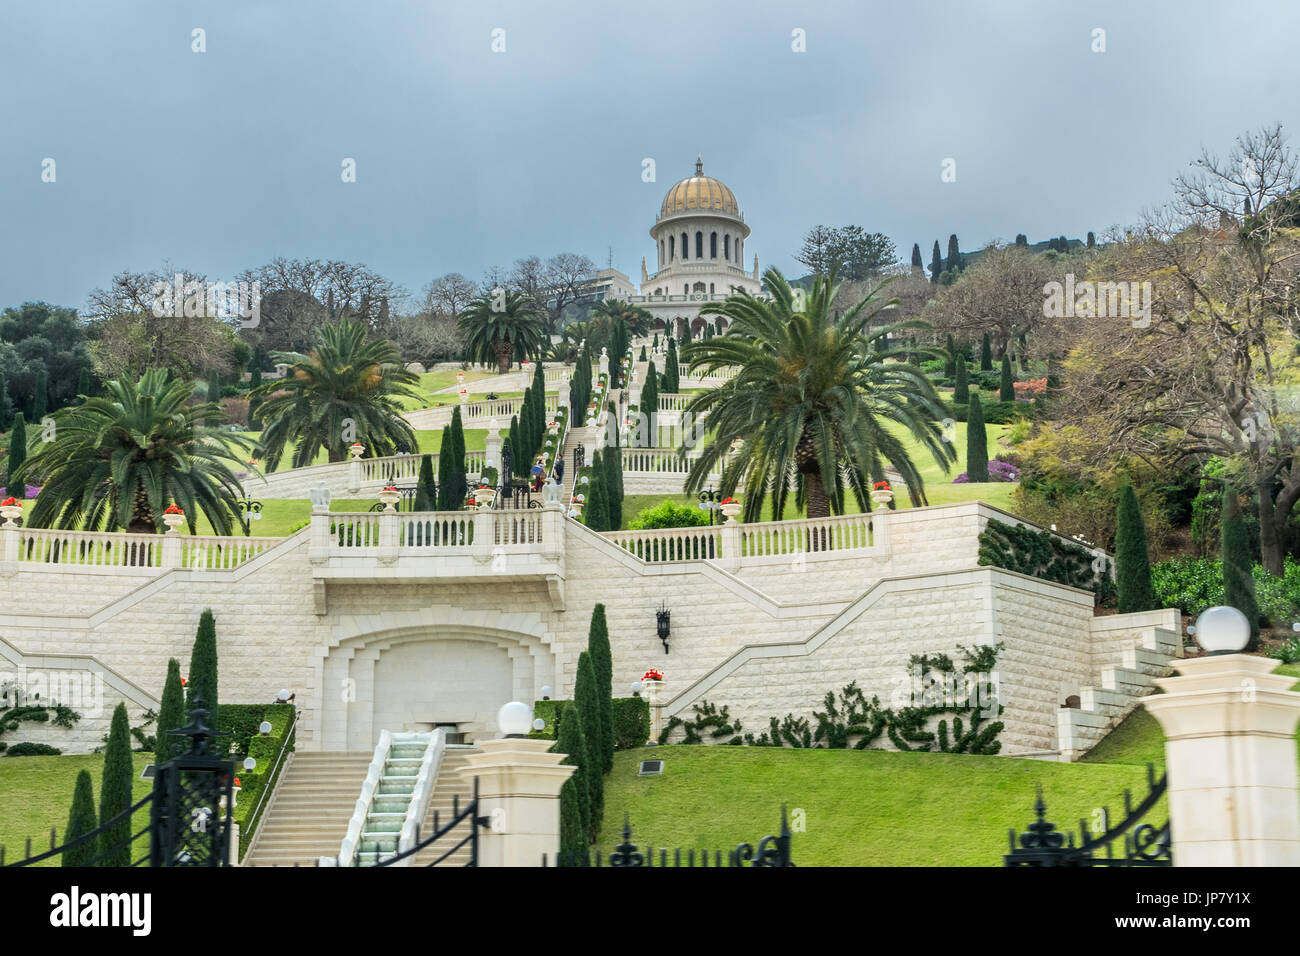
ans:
x=465 y=158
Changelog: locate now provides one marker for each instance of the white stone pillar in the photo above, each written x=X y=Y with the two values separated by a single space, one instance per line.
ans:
x=9 y=541
x=319 y=548
x=1230 y=751
x=729 y=559
x=387 y=537
x=519 y=785
x=171 y=549
x=492 y=446
x=354 y=474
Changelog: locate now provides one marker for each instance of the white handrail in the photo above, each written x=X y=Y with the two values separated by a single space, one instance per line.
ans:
x=415 y=810
x=352 y=839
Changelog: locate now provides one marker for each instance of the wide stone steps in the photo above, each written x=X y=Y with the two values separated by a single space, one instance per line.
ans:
x=448 y=785
x=1122 y=687
x=310 y=809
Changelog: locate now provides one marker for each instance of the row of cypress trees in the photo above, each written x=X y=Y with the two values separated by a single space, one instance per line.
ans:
x=449 y=492
x=528 y=428
x=603 y=510
x=586 y=737
x=580 y=388
x=113 y=846
x=671 y=377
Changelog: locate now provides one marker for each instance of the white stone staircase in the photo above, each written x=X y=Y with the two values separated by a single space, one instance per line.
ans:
x=1123 y=685
x=450 y=790
x=310 y=809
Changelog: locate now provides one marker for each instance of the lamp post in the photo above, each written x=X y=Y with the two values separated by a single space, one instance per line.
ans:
x=709 y=501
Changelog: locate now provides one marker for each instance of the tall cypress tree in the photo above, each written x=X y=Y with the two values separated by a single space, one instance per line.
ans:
x=171 y=713
x=961 y=388
x=673 y=371
x=115 y=792
x=426 y=489
x=613 y=463
x=83 y=382
x=649 y=408
x=517 y=455
x=460 y=476
x=214 y=386
x=977 y=442
x=203 y=672
x=17 y=455
x=586 y=697
x=954 y=254
x=575 y=795
x=1007 y=393
x=81 y=820
x=950 y=360
x=917 y=261
x=446 y=471
x=603 y=662
x=1092 y=241
x=986 y=354
x=936 y=263
x=595 y=513
x=1238 y=581
x=1132 y=563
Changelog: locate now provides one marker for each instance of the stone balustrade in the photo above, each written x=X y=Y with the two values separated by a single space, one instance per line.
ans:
x=673 y=401
x=52 y=549
x=472 y=414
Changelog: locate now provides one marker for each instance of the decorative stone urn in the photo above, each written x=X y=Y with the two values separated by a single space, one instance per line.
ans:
x=730 y=509
x=11 y=514
x=356 y=450
x=173 y=521
x=390 y=496
x=484 y=497
x=882 y=496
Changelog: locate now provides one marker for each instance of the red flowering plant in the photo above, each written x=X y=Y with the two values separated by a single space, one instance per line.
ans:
x=390 y=487
x=173 y=509
x=880 y=486
x=10 y=502
x=729 y=501
x=653 y=674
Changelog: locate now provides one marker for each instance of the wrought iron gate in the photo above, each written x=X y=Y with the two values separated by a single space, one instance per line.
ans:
x=1145 y=844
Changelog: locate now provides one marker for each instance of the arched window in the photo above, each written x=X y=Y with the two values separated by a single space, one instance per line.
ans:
x=699 y=287
x=710 y=288
x=672 y=251
x=686 y=289
x=686 y=247
x=726 y=247
x=699 y=245
x=661 y=253
x=713 y=245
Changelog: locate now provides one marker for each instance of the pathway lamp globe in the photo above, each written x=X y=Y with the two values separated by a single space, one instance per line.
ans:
x=515 y=719
x=1222 y=630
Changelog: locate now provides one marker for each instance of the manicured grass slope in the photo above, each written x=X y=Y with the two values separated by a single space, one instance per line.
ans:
x=36 y=794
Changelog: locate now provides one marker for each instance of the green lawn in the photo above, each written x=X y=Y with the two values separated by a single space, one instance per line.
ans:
x=36 y=794
x=430 y=439
x=431 y=382
x=872 y=808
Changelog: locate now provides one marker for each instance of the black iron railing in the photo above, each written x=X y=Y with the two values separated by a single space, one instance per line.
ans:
x=771 y=851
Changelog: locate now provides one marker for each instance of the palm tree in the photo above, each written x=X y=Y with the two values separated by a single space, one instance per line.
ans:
x=811 y=400
x=118 y=460
x=497 y=325
x=347 y=388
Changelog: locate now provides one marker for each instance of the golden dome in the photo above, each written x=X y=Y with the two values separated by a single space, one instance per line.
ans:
x=699 y=193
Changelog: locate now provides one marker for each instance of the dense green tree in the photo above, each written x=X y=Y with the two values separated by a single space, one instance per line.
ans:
x=17 y=455
x=40 y=396
x=117 y=461
x=917 y=261
x=171 y=713
x=349 y=384
x=203 y=673
x=586 y=697
x=954 y=255
x=817 y=392
x=950 y=359
x=986 y=354
x=575 y=795
x=81 y=820
x=457 y=470
x=1007 y=391
x=446 y=473
x=426 y=488
x=853 y=252
x=499 y=326
x=603 y=662
x=115 y=792
x=517 y=455
x=936 y=263
x=961 y=385
x=1238 y=581
x=1132 y=563
x=672 y=371
x=1092 y=241
x=6 y=406
x=596 y=509
x=647 y=430
x=1022 y=239
x=613 y=464
x=977 y=442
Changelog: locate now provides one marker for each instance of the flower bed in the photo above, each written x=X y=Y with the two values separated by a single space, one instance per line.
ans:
x=998 y=471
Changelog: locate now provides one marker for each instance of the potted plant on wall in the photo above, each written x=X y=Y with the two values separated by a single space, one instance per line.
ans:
x=881 y=493
x=173 y=518
x=730 y=507
x=390 y=496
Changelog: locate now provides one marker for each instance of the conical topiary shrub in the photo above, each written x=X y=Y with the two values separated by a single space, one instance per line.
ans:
x=1132 y=563
x=977 y=443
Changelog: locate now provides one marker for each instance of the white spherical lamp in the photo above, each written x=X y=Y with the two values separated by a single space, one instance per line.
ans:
x=539 y=725
x=250 y=763
x=515 y=719
x=1222 y=630
x=264 y=727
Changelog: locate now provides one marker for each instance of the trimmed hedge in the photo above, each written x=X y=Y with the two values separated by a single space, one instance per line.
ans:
x=631 y=717
x=242 y=721
x=1042 y=554
x=995 y=413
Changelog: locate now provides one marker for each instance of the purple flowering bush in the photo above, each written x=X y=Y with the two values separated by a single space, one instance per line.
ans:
x=998 y=471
